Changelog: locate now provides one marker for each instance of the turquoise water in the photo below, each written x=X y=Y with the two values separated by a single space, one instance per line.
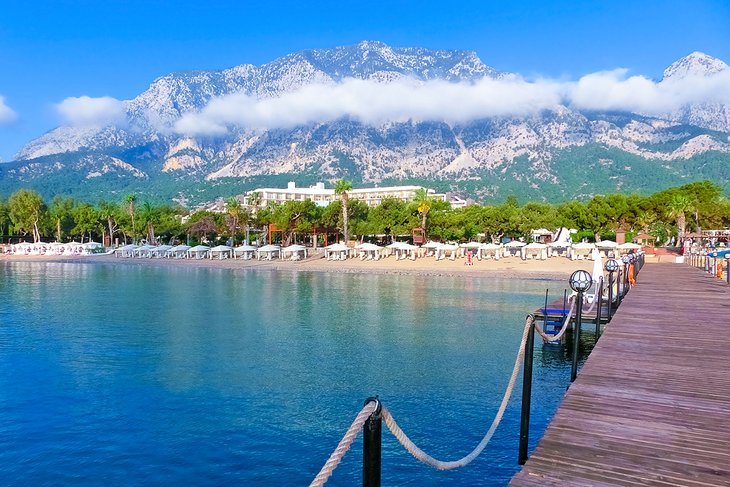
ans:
x=141 y=375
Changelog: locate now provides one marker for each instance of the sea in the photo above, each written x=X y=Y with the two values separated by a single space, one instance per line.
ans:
x=115 y=374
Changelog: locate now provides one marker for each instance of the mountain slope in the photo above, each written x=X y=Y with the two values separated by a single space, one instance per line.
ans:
x=489 y=157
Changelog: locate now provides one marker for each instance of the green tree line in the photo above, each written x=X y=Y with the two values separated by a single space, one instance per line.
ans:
x=668 y=213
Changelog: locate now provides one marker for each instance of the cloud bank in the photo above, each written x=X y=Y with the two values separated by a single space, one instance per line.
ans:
x=613 y=90
x=7 y=115
x=374 y=102
x=87 y=111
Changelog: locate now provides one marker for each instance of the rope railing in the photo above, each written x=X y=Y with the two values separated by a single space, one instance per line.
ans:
x=344 y=445
x=422 y=456
x=407 y=443
x=554 y=338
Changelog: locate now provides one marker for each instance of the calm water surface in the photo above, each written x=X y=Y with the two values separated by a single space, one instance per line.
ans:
x=141 y=375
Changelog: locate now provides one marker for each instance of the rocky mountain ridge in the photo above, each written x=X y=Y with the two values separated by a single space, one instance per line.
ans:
x=147 y=145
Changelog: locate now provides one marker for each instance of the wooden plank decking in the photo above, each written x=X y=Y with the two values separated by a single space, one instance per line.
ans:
x=651 y=406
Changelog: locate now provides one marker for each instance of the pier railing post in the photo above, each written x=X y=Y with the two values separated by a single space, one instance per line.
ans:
x=611 y=266
x=526 y=394
x=371 y=447
x=580 y=282
x=599 y=305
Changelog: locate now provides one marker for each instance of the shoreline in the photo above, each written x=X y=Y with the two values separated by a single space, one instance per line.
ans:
x=554 y=268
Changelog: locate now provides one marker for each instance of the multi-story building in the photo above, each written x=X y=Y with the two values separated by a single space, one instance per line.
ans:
x=323 y=196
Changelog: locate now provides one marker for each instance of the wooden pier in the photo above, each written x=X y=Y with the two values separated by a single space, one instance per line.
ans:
x=651 y=406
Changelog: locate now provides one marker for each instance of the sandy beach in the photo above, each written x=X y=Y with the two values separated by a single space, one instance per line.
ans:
x=509 y=267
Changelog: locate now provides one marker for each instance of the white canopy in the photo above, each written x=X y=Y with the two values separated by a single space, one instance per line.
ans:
x=606 y=244
x=337 y=247
x=368 y=247
x=179 y=248
x=93 y=245
x=199 y=248
x=629 y=246
x=221 y=248
x=245 y=248
x=269 y=248
x=431 y=245
x=293 y=248
x=535 y=246
x=515 y=243
x=490 y=246
x=470 y=245
x=583 y=246
x=560 y=244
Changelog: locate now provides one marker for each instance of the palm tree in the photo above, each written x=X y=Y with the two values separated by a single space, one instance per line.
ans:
x=254 y=199
x=234 y=210
x=678 y=208
x=341 y=188
x=424 y=206
x=130 y=200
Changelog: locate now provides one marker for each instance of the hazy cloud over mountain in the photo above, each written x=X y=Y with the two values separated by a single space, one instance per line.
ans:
x=374 y=102
x=87 y=111
x=7 y=115
x=612 y=90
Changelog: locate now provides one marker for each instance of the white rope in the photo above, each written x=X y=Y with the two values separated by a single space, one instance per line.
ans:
x=450 y=465
x=599 y=290
x=554 y=338
x=344 y=445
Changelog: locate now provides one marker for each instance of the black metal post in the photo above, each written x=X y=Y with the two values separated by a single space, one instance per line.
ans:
x=599 y=304
x=526 y=395
x=371 y=447
x=610 y=296
x=576 y=336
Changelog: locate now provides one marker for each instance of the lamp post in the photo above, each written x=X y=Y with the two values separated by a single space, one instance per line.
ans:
x=611 y=267
x=625 y=284
x=580 y=281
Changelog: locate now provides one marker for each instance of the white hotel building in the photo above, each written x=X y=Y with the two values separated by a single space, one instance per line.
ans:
x=323 y=196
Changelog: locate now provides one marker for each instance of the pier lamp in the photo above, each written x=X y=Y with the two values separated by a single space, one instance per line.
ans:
x=611 y=266
x=580 y=281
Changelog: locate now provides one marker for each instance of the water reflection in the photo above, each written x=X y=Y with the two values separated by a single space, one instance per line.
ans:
x=248 y=376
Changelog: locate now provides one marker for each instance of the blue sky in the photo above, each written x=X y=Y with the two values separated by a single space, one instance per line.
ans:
x=53 y=50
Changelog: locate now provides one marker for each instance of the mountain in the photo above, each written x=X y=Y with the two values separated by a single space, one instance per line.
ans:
x=540 y=155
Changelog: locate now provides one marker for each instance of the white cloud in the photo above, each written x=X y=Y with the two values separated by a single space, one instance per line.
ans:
x=612 y=90
x=87 y=111
x=7 y=115
x=374 y=103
